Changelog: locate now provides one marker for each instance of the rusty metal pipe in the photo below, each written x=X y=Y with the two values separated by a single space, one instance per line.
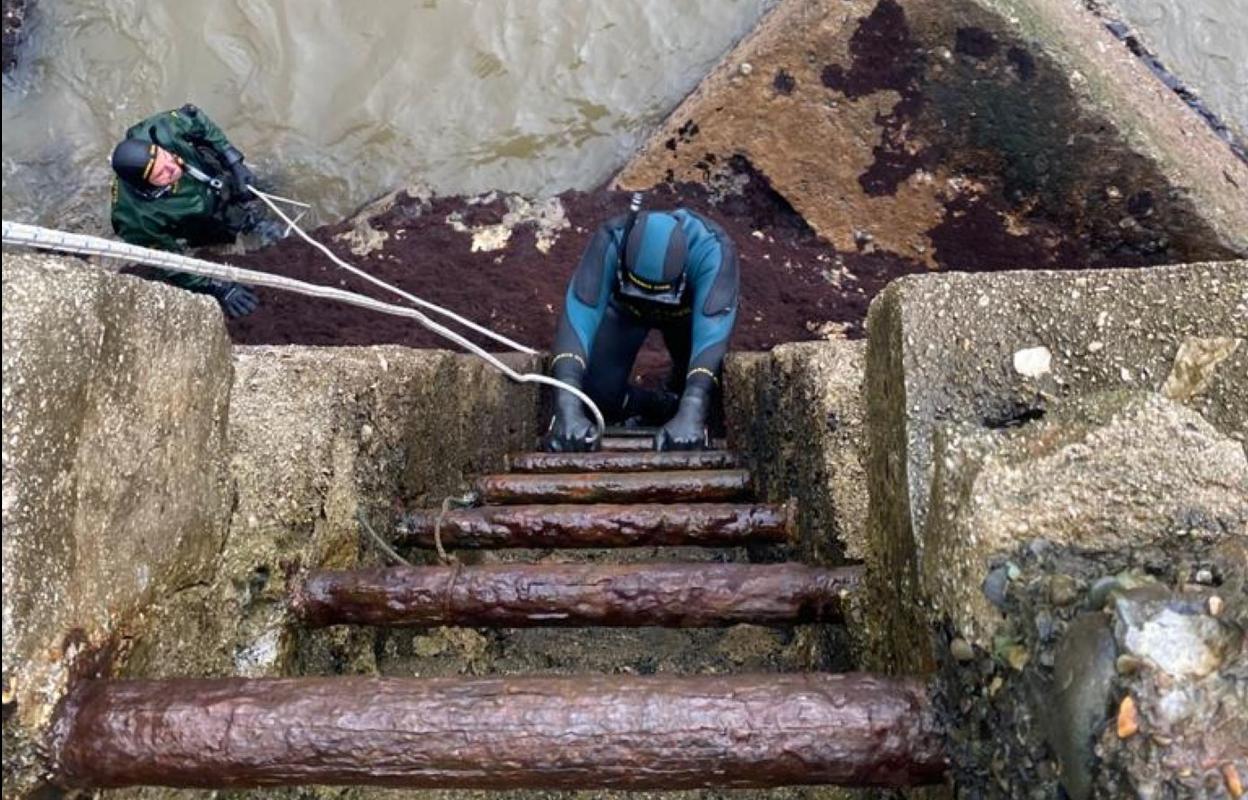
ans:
x=617 y=461
x=642 y=525
x=590 y=732
x=691 y=486
x=674 y=595
x=633 y=444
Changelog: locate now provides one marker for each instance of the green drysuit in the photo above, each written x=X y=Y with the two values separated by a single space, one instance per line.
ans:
x=190 y=213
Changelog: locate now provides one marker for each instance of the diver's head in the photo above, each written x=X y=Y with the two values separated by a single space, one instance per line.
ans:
x=144 y=165
x=654 y=259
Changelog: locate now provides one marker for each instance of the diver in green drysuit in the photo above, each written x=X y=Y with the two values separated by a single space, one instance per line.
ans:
x=181 y=184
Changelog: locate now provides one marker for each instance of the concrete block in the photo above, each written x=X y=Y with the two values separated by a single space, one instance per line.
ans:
x=942 y=349
x=797 y=415
x=1106 y=472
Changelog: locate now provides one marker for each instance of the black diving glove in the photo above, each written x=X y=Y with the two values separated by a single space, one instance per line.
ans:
x=686 y=430
x=243 y=177
x=571 y=431
x=236 y=299
x=240 y=173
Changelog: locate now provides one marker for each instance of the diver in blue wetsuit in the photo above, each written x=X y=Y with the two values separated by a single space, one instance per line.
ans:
x=672 y=270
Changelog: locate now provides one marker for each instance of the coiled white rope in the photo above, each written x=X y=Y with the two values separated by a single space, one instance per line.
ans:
x=17 y=233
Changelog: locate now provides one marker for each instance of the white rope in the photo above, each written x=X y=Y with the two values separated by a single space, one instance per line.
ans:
x=416 y=301
x=48 y=239
x=303 y=209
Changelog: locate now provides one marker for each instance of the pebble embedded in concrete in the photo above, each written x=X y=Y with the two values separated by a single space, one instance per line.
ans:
x=1033 y=362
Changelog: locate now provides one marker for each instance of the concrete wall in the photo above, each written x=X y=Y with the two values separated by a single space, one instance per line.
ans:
x=159 y=488
x=1058 y=520
x=116 y=488
x=961 y=348
x=796 y=414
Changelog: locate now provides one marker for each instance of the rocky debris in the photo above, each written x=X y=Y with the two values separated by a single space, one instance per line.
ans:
x=1092 y=706
x=1071 y=565
x=797 y=415
x=942 y=350
x=115 y=472
x=1076 y=478
x=958 y=134
x=1183 y=640
x=547 y=216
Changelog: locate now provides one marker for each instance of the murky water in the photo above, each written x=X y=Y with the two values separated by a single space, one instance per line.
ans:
x=1205 y=43
x=342 y=101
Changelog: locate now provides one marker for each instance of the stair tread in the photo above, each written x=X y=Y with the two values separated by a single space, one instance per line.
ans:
x=639 y=443
x=620 y=461
x=672 y=486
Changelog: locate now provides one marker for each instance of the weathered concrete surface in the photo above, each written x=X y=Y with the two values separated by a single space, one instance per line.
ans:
x=319 y=435
x=1101 y=473
x=797 y=415
x=973 y=133
x=316 y=435
x=1085 y=576
x=116 y=489
x=943 y=348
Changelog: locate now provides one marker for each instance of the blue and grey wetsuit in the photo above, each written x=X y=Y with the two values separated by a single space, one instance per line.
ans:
x=602 y=330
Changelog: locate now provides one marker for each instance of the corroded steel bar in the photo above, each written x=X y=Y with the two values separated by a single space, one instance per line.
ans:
x=588 y=732
x=689 y=486
x=639 y=525
x=636 y=443
x=613 y=431
x=608 y=461
x=674 y=595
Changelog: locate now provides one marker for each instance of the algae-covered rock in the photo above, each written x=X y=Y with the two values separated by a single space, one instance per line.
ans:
x=973 y=133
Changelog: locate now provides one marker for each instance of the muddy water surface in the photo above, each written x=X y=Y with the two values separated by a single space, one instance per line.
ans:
x=345 y=100
x=1205 y=43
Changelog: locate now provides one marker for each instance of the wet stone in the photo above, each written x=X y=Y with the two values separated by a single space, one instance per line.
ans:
x=996 y=585
x=1084 y=671
x=961 y=650
x=1180 y=641
x=1063 y=590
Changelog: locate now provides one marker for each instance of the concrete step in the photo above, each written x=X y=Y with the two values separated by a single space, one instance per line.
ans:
x=689 y=486
x=600 y=525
